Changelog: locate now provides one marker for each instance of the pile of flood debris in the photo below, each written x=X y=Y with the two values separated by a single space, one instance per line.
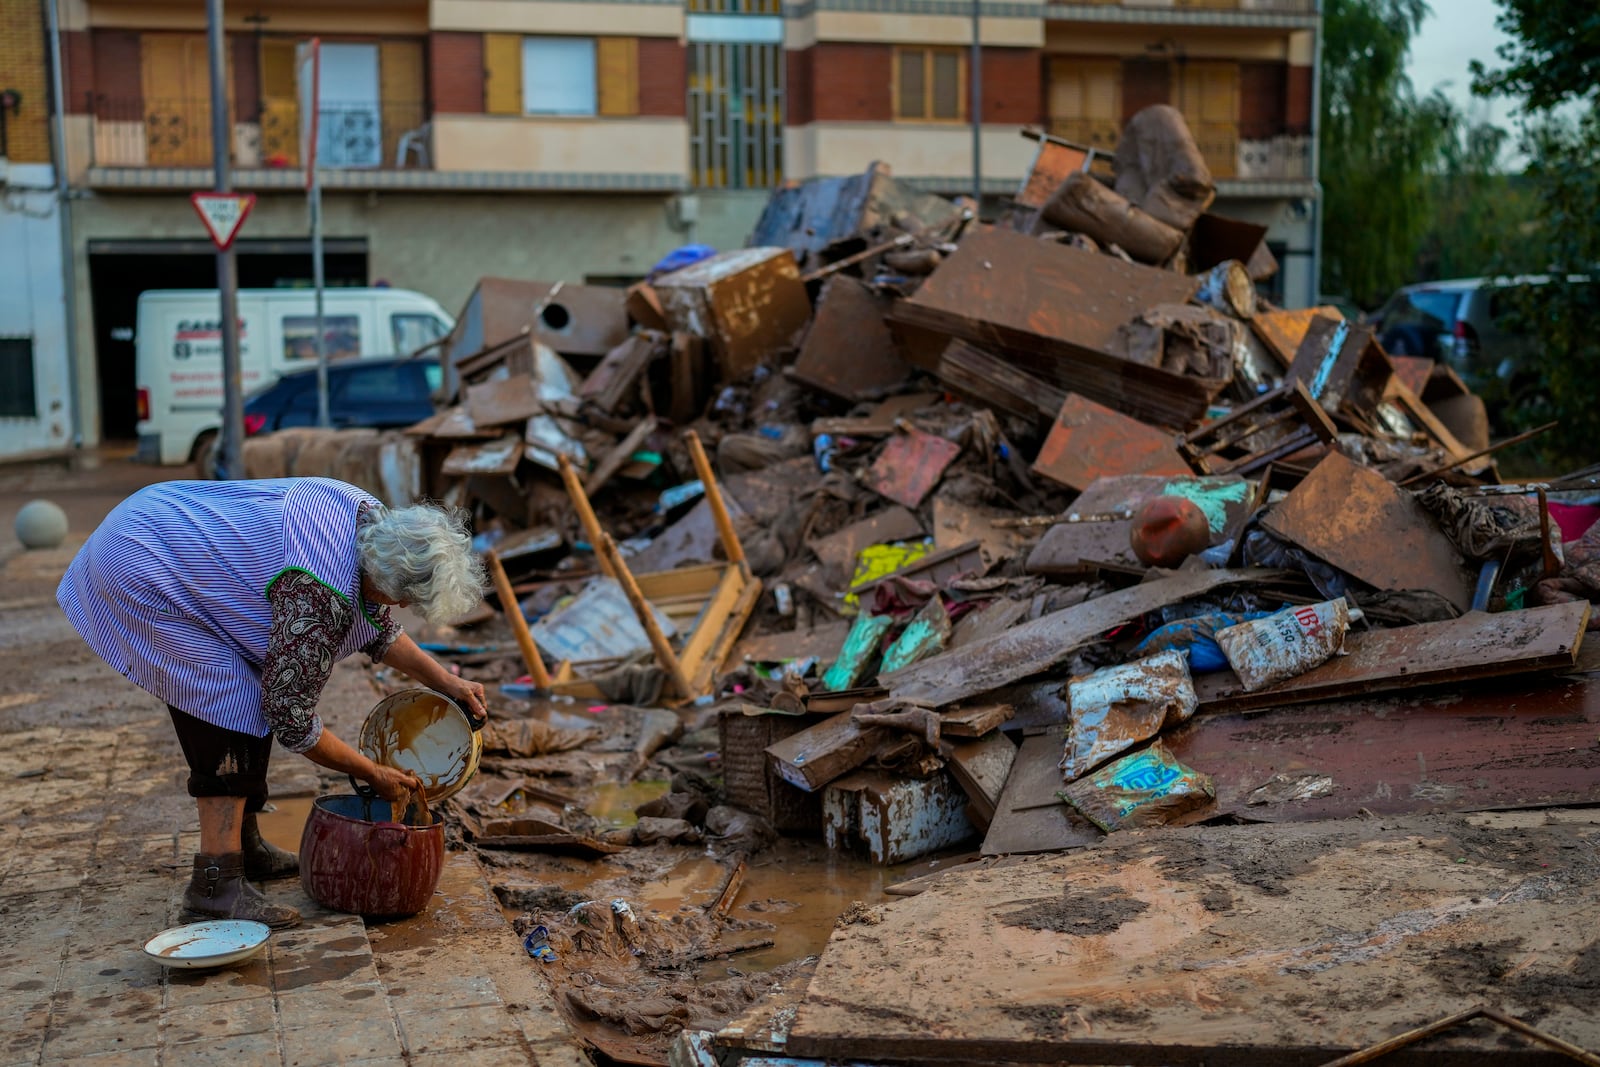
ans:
x=918 y=536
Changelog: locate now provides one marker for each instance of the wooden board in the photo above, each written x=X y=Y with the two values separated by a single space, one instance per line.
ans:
x=1357 y=520
x=1017 y=830
x=956 y=524
x=1044 y=642
x=619 y=456
x=981 y=769
x=1283 y=331
x=839 y=549
x=816 y=756
x=974 y=721
x=1241 y=945
x=1492 y=744
x=508 y=400
x=1473 y=646
x=880 y=421
x=821 y=641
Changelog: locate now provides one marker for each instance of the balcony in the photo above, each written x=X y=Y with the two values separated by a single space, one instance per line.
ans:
x=1263 y=14
x=157 y=142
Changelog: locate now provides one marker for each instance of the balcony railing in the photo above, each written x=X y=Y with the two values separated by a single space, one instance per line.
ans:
x=154 y=132
x=1276 y=7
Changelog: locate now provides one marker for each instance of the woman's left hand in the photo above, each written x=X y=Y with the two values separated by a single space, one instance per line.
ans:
x=469 y=695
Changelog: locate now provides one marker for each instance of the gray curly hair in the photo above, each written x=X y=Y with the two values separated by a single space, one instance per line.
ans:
x=423 y=556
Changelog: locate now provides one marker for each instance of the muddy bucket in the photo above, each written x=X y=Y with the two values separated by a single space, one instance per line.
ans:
x=354 y=857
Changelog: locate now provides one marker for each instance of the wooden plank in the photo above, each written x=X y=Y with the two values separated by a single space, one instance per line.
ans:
x=880 y=421
x=817 y=755
x=981 y=769
x=513 y=399
x=1491 y=744
x=1473 y=646
x=821 y=641
x=697 y=581
x=956 y=524
x=974 y=721
x=1202 y=946
x=719 y=627
x=1284 y=331
x=618 y=457
x=1355 y=519
x=1018 y=831
x=1049 y=640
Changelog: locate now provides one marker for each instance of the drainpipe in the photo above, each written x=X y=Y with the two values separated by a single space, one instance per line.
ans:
x=69 y=273
x=1316 y=156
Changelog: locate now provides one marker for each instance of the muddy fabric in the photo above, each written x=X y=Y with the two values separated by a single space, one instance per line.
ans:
x=1580 y=573
x=635 y=683
x=739 y=452
x=1084 y=205
x=1485 y=528
x=650 y=830
x=1159 y=167
x=532 y=737
x=222 y=762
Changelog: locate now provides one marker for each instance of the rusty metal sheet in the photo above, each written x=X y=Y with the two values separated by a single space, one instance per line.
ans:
x=748 y=304
x=1357 y=520
x=496 y=457
x=911 y=464
x=1052 y=164
x=1413 y=371
x=1507 y=744
x=513 y=399
x=1037 y=646
x=1540 y=639
x=839 y=549
x=1283 y=331
x=848 y=351
x=579 y=320
x=610 y=384
x=1019 y=827
x=1090 y=441
x=1055 y=311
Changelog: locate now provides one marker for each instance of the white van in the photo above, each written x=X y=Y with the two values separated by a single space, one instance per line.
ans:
x=179 y=344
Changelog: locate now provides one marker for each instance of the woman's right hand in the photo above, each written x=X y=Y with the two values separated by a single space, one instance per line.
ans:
x=392 y=784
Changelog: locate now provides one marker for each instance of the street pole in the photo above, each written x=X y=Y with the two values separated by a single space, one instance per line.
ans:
x=317 y=279
x=976 y=82
x=314 y=195
x=227 y=267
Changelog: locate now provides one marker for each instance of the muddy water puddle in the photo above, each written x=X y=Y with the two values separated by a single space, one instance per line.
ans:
x=282 y=825
x=613 y=803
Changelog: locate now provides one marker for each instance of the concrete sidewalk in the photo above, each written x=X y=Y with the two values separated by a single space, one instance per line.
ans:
x=95 y=849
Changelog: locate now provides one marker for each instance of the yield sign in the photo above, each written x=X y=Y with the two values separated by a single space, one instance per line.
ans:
x=223 y=214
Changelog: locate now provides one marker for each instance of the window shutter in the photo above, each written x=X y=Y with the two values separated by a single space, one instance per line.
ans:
x=502 y=74
x=618 y=63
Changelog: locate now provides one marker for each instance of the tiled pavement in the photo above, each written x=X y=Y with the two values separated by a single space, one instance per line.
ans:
x=96 y=839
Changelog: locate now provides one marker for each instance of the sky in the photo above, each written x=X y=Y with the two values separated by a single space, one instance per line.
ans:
x=1457 y=32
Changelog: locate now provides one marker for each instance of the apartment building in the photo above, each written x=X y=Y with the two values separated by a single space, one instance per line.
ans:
x=583 y=139
x=35 y=368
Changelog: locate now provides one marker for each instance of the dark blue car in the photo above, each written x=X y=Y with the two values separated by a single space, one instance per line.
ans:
x=380 y=393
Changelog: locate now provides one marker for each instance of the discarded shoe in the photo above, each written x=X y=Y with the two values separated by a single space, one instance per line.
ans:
x=218 y=890
x=263 y=860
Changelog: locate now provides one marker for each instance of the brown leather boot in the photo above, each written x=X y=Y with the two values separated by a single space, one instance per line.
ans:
x=264 y=861
x=218 y=890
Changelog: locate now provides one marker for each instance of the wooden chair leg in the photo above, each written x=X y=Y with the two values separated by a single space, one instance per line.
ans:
x=586 y=515
x=647 y=619
x=719 y=507
x=519 y=625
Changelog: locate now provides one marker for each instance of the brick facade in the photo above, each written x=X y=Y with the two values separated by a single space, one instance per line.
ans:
x=1013 y=86
x=23 y=58
x=851 y=82
x=455 y=65
x=663 y=77
x=798 y=87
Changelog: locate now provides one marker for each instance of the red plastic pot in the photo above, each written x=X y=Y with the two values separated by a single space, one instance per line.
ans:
x=355 y=858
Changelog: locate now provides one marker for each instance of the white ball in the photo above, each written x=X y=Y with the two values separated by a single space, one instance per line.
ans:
x=41 y=524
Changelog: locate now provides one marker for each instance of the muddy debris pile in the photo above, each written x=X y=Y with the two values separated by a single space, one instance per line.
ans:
x=918 y=535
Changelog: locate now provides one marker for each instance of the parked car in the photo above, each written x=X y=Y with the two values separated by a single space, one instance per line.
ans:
x=379 y=393
x=179 y=350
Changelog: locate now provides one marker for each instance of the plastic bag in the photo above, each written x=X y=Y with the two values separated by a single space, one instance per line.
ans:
x=1286 y=644
x=1196 y=638
x=1148 y=788
x=1116 y=708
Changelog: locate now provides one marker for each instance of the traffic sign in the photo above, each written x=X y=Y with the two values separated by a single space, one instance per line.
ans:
x=223 y=214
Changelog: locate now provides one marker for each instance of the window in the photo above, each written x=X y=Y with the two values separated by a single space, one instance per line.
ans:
x=17 y=399
x=558 y=76
x=300 y=336
x=412 y=330
x=930 y=84
x=394 y=383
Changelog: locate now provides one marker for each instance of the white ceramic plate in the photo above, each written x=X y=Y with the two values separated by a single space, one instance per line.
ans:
x=214 y=943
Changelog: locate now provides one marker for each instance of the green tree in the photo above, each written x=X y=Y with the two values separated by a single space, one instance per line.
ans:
x=1482 y=219
x=1379 y=144
x=1553 y=61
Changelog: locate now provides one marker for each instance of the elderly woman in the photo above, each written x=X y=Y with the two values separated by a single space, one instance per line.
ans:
x=230 y=602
